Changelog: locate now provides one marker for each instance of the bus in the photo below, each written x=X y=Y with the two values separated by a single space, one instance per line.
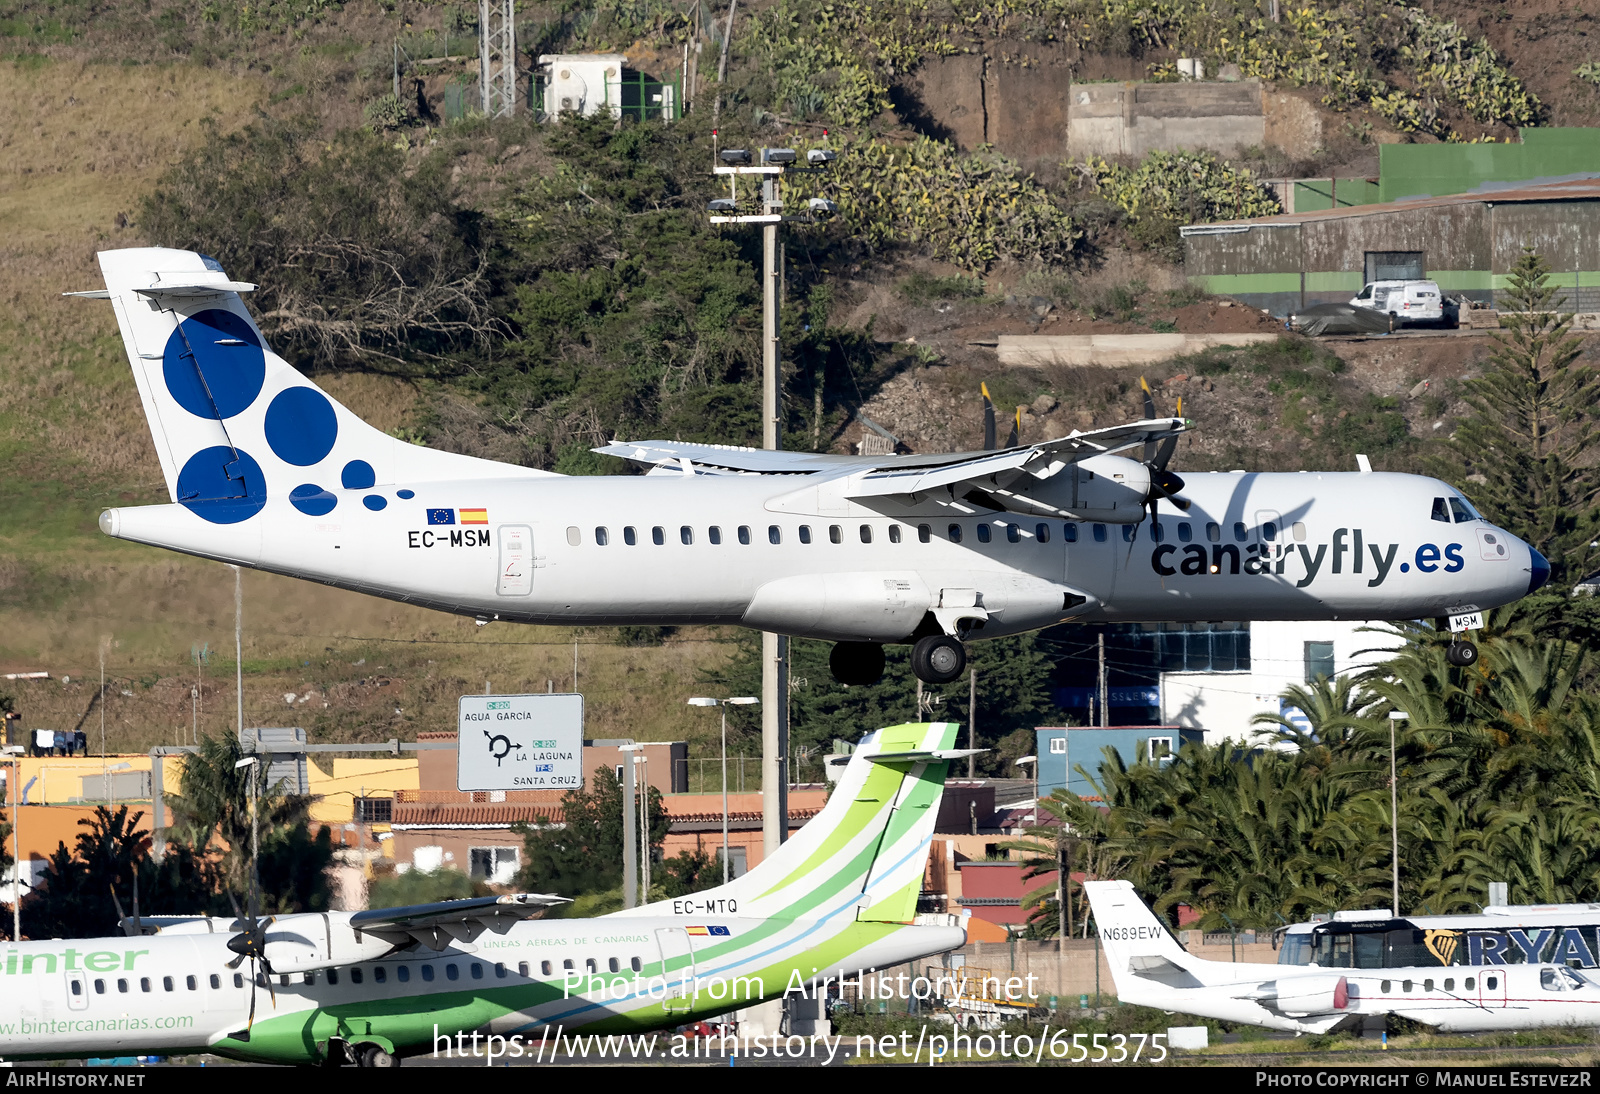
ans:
x=1511 y=934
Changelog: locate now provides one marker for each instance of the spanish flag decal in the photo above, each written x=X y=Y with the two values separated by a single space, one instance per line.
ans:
x=474 y=516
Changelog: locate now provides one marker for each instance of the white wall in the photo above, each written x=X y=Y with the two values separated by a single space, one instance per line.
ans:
x=1223 y=703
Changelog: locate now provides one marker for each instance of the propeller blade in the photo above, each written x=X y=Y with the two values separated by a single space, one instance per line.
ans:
x=1016 y=430
x=1149 y=413
x=988 y=419
x=121 y=918
x=255 y=982
x=1164 y=453
x=138 y=929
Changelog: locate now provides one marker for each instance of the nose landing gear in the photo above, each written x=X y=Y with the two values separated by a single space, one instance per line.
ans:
x=1461 y=653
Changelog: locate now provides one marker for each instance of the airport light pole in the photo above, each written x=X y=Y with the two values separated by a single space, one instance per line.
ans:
x=767 y=211
x=253 y=763
x=739 y=701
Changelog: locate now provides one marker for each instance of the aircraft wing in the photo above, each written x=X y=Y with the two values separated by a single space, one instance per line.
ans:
x=893 y=474
x=437 y=925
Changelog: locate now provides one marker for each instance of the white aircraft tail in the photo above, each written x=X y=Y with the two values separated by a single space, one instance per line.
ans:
x=1143 y=955
x=233 y=423
x=863 y=856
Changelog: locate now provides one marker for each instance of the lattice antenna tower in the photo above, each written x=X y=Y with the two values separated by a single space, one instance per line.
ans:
x=497 y=57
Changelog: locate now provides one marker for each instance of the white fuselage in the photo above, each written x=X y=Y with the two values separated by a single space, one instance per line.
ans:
x=767 y=552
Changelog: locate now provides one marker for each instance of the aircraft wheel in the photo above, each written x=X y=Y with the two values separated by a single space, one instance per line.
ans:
x=856 y=663
x=1462 y=654
x=938 y=659
x=373 y=1056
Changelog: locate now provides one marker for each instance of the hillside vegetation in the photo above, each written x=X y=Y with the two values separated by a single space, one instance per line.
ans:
x=525 y=292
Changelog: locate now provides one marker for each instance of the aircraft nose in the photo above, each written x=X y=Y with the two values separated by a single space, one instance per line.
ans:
x=1539 y=571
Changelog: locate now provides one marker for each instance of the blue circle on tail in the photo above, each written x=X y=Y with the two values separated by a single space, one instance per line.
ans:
x=312 y=500
x=358 y=475
x=213 y=364
x=222 y=486
x=301 y=426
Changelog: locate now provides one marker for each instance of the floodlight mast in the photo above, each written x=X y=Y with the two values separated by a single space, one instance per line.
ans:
x=774 y=163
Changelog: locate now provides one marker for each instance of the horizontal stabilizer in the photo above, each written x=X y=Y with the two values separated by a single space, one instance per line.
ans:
x=918 y=756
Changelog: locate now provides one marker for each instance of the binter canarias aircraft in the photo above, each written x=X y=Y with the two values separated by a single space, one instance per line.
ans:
x=265 y=470
x=372 y=987
x=1151 y=969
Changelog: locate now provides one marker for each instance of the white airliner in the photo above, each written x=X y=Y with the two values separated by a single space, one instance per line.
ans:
x=265 y=470
x=372 y=987
x=1151 y=969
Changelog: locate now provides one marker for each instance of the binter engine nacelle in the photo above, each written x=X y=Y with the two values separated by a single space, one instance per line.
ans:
x=1302 y=995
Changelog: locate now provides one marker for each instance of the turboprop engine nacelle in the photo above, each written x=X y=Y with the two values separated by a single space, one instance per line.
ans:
x=1302 y=995
x=305 y=943
x=1107 y=489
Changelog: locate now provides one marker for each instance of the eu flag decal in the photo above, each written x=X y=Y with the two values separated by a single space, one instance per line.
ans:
x=721 y=932
x=441 y=516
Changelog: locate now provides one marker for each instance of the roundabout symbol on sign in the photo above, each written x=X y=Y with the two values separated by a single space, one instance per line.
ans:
x=500 y=746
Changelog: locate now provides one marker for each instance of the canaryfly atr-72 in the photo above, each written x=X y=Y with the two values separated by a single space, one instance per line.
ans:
x=265 y=470
x=837 y=899
x=1151 y=969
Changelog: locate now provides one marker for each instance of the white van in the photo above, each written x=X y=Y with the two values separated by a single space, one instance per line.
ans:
x=1407 y=301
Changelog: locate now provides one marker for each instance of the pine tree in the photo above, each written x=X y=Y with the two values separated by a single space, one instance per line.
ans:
x=1531 y=441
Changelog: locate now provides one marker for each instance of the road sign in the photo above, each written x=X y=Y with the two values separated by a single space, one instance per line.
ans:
x=520 y=742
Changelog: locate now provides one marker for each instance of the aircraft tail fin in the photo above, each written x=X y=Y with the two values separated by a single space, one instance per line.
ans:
x=1142 y=954
x=864 y=855
x=232 y=422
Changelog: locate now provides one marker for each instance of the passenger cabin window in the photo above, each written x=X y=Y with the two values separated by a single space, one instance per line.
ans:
x=1185 y=531
x=835 y=534
x=602 y=537
x=805 y=533
x=1041 y=532
x=774 y=534
x=166 y=983
x=574 y=536
x=686 y=534
x=355 y=976
x=476 y=969
x=1269 y=532
x=100 y=986
x=894 y=533
x=866 y=533
x=216 y=982
x=1069 y=532
x=427 y=972
x=333 y=976
x=983 y=533
x=1013 y=534
x=714 y=534
x=744 y=534
x=955 y=533
x=1441 y=510
x=1099 y=533
x=379 y=974
x=658 y=535
x=1240 y=532
x=613 y=965
x=590 y=966
x=629 y=536
x=144 y=983
x=636 y=965
x=1130 y=532
x=1213 y=531
x=500 y=970
x=310 y=978
x=544 y=969
x=924 y=533
x=1158 y=531
x=1299 y=532
x=451 y=972
x=402 y=973
x=122 y=985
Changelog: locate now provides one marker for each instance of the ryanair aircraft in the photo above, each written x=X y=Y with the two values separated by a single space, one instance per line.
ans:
x=1530 y=976
x=265 y=470
x=372 y=987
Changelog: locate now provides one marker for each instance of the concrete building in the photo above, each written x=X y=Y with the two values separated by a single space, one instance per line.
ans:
x=1468 y=243
x=1062 y=750
x=1135 y=119
x=1221 y=705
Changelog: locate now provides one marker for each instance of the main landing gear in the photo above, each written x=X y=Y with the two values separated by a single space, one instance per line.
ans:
x=938 y=659
x=935 y=658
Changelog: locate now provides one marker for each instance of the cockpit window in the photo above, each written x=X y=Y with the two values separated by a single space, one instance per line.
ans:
x=1463 y=511
x=1559 y=979
x=1441 y=511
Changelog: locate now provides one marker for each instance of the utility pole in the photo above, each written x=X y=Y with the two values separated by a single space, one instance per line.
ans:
x=1105 y=692
x=768 y=212
x=1394 y=813
x=972 y=716
x=497 y=57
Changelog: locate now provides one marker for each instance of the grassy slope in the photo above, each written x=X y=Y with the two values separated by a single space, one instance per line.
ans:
x=73 y=440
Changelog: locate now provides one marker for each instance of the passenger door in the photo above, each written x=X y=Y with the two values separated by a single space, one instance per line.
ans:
x=677 y=968
x=516 y=560
x=1492 y=988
